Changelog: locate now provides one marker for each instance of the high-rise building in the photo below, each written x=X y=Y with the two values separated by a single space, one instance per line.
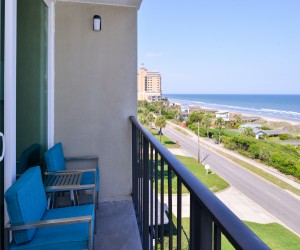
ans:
x=149 y=85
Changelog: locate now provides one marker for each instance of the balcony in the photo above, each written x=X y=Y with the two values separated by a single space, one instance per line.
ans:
x=155 y=219
x=140 y=224
x=137 y=225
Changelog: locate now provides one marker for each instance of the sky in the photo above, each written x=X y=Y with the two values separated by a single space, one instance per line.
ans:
x=222 y=46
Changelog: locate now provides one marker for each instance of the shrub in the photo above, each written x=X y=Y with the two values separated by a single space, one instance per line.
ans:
x=264 y=154
x=254 y=150
x=228 y=143
x=248 y=132
x=266 y=128
x=284 y=137
x=285 y=158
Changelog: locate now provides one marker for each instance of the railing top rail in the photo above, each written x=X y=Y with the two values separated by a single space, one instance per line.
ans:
x=234 y=229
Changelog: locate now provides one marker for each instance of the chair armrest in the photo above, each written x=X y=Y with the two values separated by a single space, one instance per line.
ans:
x=82 y=158
x=57 y=222
x=71 y=171
x=49 y=223
x=51 y=189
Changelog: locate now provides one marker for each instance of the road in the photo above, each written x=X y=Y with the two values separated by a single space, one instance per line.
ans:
x=281 y=204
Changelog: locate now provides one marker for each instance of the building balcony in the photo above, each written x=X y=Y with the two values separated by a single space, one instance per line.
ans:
x=155 y=217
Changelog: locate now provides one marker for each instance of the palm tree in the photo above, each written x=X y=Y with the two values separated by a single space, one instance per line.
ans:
x=150 y=117
x=219 y=124
x=197 y=117
x=206 y=122
x=160 y=122
x=238 y=120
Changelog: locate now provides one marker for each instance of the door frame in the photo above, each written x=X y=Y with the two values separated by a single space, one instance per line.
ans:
x=10 y=62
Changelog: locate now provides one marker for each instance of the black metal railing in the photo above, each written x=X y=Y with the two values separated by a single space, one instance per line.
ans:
x=155 y=172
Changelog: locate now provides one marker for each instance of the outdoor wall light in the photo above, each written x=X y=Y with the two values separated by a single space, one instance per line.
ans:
x=97 y=23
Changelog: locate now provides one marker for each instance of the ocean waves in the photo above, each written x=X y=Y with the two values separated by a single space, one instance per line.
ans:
x=251 y=105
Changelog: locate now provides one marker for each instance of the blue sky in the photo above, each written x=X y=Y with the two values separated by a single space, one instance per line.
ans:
x=222 y=46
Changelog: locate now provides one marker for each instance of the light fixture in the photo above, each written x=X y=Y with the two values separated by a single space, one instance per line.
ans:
x=97 y=23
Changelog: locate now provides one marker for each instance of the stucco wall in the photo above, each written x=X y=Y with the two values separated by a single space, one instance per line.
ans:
x=96 y=89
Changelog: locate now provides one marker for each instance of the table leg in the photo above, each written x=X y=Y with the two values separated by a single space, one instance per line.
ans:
x=72 y=197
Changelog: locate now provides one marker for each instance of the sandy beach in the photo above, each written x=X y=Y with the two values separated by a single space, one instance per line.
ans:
x=272 y=122
x=276 y=123
x=273 y=119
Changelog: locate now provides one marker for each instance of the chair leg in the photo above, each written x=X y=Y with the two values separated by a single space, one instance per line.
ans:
x=95 y=225
x=55 y=201
x=97 y=200
x=76 y=198
x=6 y=239
x=72 y=197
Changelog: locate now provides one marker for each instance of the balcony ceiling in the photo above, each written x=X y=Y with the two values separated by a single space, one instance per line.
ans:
x=126 y=3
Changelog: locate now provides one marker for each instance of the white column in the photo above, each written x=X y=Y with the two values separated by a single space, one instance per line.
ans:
x=51 y=69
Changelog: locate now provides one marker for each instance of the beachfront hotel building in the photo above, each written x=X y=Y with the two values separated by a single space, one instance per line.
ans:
x=66 y=80
x=149 y=85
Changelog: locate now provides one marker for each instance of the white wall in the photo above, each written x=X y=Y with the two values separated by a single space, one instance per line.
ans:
x=96 y=89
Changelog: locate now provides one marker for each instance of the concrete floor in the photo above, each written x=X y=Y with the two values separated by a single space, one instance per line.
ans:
x=116 y=224
x=117 y=227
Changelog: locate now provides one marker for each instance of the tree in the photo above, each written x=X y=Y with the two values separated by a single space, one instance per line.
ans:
x=196 y=116
x=143 y=119
x=248 y=132
x=150 y=117
x=206 y=122
x=237 y=119
x=160 y=122
x=219 y=123
x=177 y=114
x=160 y=105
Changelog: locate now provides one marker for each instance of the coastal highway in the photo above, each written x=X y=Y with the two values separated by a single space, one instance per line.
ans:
x=280 y=203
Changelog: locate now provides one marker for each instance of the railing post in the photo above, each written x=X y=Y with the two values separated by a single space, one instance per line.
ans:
x=146 y=194
x=217 y=237
x=156 y=200
x=151 y=198
x=170 y=212
x=179 y=204
x=195 y=241
x=162 y=203
x=140 y=182
x=134 y=165
x=200 y=226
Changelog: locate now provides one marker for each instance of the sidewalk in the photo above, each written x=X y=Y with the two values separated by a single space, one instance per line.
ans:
x=212 y=145
x=238 y=203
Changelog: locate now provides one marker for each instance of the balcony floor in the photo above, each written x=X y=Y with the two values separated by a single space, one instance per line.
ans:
x=117 y=227
x=116 y=224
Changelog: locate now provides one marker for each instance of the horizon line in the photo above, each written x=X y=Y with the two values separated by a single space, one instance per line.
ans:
x=227 y=94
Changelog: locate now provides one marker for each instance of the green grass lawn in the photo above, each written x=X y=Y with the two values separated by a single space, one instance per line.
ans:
x=230 y=132
x=164 y=140
x=273 y=234
x=212 y=181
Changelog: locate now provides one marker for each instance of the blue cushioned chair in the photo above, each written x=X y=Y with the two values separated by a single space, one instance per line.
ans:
x=55 y=161
x=30 y=157
x=35 y=227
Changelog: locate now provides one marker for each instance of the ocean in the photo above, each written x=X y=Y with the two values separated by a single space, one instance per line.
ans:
x=285 y=107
